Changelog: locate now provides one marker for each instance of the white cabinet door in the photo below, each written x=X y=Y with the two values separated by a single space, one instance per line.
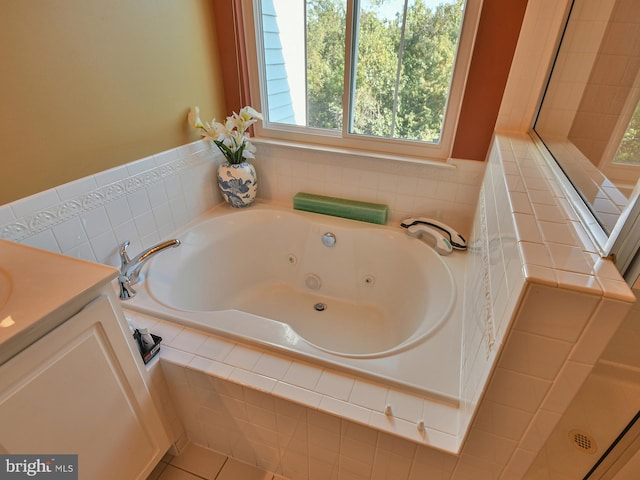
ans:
x=78 y=391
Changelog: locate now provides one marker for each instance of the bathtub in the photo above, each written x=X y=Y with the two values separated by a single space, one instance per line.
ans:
x=363 y=298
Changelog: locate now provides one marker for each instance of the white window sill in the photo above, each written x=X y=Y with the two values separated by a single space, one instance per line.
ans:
x=445 y=164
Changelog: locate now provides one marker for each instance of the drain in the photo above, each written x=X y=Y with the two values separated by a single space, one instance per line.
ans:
x=583 y=441
x=320 y=307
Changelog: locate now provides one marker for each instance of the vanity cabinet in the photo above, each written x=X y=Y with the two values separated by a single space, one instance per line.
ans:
x=79 y=390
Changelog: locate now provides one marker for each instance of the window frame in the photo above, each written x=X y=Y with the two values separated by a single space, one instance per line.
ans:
x=344 y=141
x=620 y=173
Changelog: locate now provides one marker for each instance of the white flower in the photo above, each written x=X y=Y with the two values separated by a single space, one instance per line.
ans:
x=249 y=150
x=248 y=113
x=231 y=137
x=194 y=117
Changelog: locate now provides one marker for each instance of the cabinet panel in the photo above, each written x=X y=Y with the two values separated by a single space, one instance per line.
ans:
x=78 y=391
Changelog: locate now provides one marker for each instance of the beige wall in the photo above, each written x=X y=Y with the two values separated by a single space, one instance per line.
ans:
x=86 y=85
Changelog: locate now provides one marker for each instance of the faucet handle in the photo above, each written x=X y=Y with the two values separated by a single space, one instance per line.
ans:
x=130 y=269
x=126 y=289
x=124 y=256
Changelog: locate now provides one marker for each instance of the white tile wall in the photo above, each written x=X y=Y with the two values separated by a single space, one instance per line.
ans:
x=146 y=200
x=311 y=385
x=534 y=53
x=603 y=196
x=603 y=406
x=583 y=40
x=443 y=191
x=286 y=433
x=560 y=328
x=142 y=202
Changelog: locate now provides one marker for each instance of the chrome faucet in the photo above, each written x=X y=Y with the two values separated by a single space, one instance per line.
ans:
x=130 y=269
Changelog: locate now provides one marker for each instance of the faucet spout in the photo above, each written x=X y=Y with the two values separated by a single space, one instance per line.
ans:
x=130 y=269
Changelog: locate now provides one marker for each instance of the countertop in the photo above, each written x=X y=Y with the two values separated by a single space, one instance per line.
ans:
x=39 y=290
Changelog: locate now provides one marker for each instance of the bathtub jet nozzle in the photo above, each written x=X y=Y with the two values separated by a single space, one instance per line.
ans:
x=130 y=269
x=329 y=239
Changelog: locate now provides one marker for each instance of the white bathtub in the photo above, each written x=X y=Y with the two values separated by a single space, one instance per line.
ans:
x=378 y=303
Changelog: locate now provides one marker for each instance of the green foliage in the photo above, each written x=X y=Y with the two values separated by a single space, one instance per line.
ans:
x=377 y=63
x=431 y=40
x=427 y=55
x=629 y=151
x=325 y=62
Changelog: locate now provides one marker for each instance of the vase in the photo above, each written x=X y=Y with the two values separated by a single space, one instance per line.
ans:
x=238 y=183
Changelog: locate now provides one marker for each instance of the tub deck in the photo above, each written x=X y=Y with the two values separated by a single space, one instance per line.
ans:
x=242 y=345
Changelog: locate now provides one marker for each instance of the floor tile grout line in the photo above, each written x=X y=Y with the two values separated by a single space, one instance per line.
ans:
x=217 y=475
x=221 y=468
x=186 y=471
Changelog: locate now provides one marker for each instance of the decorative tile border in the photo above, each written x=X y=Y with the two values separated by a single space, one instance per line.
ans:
x=42 y=220
x=487 y=313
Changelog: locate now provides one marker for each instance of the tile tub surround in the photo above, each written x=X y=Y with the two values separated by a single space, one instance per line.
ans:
x=571 y=304
x=143 y=201
x=602 y=415
x=291 y=417
x=543 y=324
x=146 y=200
x=524 y=236
x=304 y=421
x=444 y=191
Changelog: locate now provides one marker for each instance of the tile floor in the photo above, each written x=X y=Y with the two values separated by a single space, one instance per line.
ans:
x=198 y=463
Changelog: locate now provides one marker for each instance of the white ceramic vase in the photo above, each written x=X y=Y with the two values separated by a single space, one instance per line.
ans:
x=238 y=183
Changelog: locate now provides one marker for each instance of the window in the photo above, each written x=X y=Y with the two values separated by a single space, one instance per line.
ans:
x=620 y=159
x=629 y=151
x=375 y=75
